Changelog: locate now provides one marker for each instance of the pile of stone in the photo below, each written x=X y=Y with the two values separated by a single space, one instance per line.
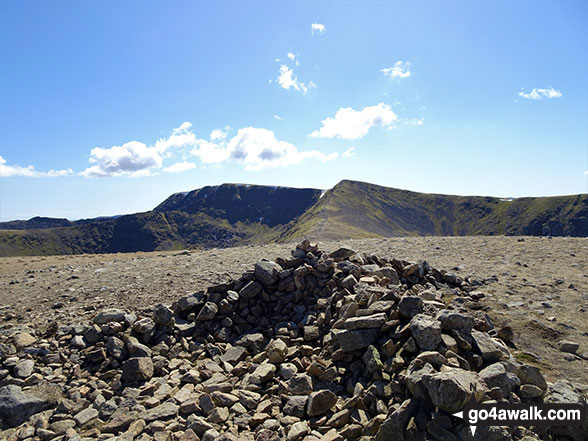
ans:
x=313 y=347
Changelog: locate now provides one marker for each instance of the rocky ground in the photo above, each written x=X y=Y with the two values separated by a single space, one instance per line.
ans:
x=525 y=298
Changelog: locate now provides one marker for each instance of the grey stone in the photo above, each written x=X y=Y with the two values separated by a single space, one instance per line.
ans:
x=137 y=369
x=456 y=321
x=295 y=405
x=366 y=322
x=143 y=325
x=452 y=389
x=162 y=315
x=24 y=368
x=342 y=253
x=569 y=346
x=109 y=315
x=17 y=406
x=85 y=416
x=320 y=402
x=208 y=312
x=251 y=290
x=490 y=349
x=352 y=340
x=267 y=272
x=426 y=332
x=300 y=384
x=409 y=306
x=263 y=373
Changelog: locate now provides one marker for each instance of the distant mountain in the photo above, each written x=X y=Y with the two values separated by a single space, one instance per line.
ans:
x=234 y=214
x=357 y=209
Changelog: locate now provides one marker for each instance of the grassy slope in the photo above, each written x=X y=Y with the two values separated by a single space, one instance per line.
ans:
x=358 y=210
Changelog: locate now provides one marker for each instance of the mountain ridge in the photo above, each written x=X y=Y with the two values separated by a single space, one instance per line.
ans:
x=238 y=214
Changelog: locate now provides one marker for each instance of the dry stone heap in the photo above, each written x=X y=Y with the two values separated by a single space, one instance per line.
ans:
x=339 y=346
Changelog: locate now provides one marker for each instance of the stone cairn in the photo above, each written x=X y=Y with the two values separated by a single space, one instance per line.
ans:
x=339 y=346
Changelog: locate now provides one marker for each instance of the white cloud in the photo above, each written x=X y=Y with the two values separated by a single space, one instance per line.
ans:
x=259 y=148
x=179 y=167
x=291 y=56
x=279 y=118
x=287 y=79
x=130 y=159
x=181 y=136
x=539 y=94
x=317 y=28
x=586 y=173
x=256 y=148
x=354 y=124
x=210 y=152
x=9 y=171
x=401 y=69
x=349 y=152
x=218 y=134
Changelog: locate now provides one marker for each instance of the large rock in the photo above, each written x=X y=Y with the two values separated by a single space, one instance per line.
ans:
x=263 y=373
x=366 y=322
x=496 y=375
x=452 y=389
x=409 y=306
x=352 y=340
x=490 y=349
x=426 y=332
x=17 y=406
x=456 y=321
x=267 y=272
x=342 y=253
x=162 y=315
x=320 y=402
x=109 y=315
x=137 y=369
x=250 y=290
x=394 y=427
x=24 y=368
x=208 y=312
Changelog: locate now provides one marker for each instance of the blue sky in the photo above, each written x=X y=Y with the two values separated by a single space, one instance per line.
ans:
x=109 y=107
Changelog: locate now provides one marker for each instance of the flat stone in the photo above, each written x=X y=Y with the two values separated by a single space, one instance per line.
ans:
x=569 y=346
x=366 y=322
x=109 y=315
x=85 y=416
x=352 y=340
x=251 y=290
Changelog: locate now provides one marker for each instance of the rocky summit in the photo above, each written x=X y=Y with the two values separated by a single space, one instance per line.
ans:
x=314 y=346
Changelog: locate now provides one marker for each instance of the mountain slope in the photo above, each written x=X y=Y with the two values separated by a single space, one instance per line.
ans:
x=270 y=206
x=234 y=214
x=220 y=216
x=354 y=209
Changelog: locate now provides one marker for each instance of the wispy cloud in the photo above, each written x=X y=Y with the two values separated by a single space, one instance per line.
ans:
x=288 y=79
x=317 y=28
x=354 y=124
x=9 y=171
x=349 y=152
x=539 y=94
x=401 y=69
x=279 y=118
x=413 y=121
